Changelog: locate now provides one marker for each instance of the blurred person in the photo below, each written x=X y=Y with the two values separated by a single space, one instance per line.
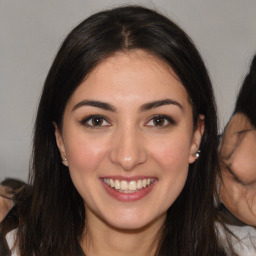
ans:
x=238 y=167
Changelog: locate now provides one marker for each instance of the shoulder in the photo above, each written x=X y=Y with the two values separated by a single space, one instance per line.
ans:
x=11 y=242
x=245 y=243
x=8 y=245
x=242 y=239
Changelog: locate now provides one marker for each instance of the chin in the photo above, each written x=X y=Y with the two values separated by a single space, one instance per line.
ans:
x=130 y=225
x=133 y=221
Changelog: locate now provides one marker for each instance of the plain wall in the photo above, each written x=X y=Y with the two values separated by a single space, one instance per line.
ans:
x=32 y=30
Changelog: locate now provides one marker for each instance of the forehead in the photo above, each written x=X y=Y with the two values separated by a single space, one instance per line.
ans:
x=130 y=76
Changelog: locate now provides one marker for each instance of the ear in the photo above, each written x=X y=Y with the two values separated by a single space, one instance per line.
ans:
x=196 y=140
x=60 y=144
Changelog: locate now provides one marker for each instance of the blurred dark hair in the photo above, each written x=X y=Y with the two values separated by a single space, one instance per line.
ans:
x=12 y=184
x=246 y=99
x=11 y=220
x=54 y=217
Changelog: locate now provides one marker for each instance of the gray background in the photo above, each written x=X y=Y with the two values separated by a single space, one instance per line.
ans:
x=32 y=30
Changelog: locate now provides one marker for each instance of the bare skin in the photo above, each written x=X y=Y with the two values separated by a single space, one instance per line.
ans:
x=5 y=204
x=118 y=242
x=132 y=118
x=238 y=167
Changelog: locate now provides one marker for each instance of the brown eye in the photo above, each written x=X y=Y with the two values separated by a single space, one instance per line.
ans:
x=159 y=121
x=95 y=121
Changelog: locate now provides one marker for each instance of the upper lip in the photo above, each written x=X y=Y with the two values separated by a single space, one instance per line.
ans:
x=119 y=177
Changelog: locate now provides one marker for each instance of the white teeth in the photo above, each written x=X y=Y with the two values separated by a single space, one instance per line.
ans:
x=132 y=185
x=106 y=181
x=117 y=184
x=128 y=187
x=111 y=183
x=124 y=185
x=139 y=184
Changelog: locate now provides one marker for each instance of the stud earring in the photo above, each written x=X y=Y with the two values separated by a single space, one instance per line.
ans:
x=197 y=154
x=64 y=161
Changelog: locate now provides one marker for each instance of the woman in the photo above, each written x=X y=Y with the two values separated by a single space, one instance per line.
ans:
x=125 y=108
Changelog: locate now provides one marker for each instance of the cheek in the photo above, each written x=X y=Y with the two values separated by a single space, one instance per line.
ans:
x=171 y=157
x=172 y=153
x=84 y=158
x=83 y=154
x=244 y=165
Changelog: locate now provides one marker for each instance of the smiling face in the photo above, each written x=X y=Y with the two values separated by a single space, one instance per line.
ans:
x=238 y=166
x=128 y=139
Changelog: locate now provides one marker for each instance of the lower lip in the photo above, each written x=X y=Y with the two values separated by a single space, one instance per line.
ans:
x=127 y=197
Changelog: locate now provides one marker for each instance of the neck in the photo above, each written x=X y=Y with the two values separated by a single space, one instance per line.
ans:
x=101 y=239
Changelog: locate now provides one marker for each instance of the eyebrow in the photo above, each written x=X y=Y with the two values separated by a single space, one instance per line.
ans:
x=143 y=108
x=159 y=103
x=97 y=104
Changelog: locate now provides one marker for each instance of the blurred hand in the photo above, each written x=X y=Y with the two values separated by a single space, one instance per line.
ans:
x=5 y=204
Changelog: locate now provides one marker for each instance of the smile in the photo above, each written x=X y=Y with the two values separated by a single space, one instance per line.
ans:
x=131 y=186
x=128 y=189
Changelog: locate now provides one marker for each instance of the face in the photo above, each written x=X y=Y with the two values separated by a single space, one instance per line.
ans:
x=128 y=138
x=238 y=166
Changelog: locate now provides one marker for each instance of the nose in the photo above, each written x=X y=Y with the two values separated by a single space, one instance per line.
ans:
x=127 y=149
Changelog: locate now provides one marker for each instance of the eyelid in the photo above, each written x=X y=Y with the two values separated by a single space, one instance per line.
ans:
x=169 y=119
x=85 y=121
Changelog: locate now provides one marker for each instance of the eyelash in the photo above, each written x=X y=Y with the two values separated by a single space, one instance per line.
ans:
x=167 y=121
x=90 y=118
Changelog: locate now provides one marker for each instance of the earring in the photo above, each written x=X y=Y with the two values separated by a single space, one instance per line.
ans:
x=64 y=161
x=197 y=154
